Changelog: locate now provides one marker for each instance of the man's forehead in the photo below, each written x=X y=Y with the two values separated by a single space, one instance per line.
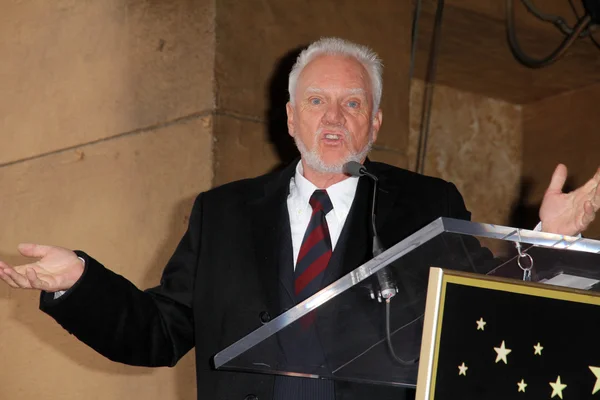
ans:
x=323 y=89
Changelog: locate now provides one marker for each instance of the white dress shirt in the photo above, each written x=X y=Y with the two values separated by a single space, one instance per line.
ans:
x=300 y=211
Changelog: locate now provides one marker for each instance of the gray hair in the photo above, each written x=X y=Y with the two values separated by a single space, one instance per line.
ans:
x=336 y=46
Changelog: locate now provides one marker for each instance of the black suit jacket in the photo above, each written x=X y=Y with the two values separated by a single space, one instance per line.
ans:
x=232 y=265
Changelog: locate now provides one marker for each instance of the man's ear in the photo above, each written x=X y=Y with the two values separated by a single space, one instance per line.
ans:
x=290 y=118
x=377 y=120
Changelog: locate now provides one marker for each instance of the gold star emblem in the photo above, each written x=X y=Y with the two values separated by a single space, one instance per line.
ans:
x=557 y=388
x=596 y=372
x=462 y=369
x=538 y=349
x=502 y=352
x=522 y=385
x=481 y=324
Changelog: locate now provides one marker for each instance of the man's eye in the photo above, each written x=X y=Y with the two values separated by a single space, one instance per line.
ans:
x=353 y=104
x=315 y=101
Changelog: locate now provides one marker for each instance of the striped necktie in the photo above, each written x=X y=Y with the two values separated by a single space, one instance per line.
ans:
x=315 y=251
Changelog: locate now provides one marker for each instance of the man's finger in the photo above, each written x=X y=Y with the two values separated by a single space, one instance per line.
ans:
x=35 y=281
x=17 y=278
x=596 y=198
x=588 y=215
x=597 y=176
x=33 y=250
x=7 y=279
x=559 y=177
x=22 y=269
x=586 y=220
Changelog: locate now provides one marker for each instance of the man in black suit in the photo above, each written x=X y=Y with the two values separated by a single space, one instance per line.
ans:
x=245 y=254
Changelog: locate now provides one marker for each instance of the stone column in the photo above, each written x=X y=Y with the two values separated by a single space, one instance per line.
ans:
x=105 y=121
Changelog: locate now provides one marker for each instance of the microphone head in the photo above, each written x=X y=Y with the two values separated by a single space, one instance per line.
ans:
x=354 y=168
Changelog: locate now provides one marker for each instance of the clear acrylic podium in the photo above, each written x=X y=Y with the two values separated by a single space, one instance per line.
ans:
x=340 y=333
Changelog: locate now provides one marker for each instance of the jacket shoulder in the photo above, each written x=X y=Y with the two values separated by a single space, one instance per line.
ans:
x=441 y=198
x=405 y=177
x=241 y=190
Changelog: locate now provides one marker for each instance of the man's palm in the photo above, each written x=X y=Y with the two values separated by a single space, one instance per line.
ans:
x=569 y=213
x=57 y=269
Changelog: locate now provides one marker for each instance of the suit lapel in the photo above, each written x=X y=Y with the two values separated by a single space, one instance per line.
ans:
x=393 y=221
x=351 y=249
x=272 y=238
x=387 y=196
x=395 y=216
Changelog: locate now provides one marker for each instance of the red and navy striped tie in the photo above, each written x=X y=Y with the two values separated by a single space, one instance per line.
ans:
x=315 y=251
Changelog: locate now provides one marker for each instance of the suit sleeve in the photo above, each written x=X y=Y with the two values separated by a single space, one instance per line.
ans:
x=125 y=324
x=455 y=204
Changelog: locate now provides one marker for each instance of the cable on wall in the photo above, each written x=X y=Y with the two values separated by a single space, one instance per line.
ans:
x=580 y=29
x=428 y=90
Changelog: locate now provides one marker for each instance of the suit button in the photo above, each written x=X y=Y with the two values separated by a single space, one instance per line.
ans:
x=264 y=317
x=251 y=397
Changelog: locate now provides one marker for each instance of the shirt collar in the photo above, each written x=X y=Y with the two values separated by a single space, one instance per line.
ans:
x=341 y=194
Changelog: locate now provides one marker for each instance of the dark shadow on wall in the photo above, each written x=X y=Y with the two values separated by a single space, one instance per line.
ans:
x=524 y=214
x=276 y=116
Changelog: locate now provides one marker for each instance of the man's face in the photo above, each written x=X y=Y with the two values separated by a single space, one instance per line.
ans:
x=332 y=121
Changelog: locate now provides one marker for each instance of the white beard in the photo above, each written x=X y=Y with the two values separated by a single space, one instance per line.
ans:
x=314 y=160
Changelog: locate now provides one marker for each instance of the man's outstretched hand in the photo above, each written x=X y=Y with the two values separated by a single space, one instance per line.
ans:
x=569 y=213
x=56 y=269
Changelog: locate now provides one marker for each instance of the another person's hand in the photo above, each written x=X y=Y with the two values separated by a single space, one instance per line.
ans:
x=57 y=269
x=569 y=213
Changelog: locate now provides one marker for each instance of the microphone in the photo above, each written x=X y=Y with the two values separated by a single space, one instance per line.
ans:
x=354 y=168
x=387 y=286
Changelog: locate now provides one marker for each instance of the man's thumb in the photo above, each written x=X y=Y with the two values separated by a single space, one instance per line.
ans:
x=559 y=177
x=33 y=250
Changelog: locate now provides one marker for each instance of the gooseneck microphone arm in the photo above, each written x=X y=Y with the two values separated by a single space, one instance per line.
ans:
x=377 y=246
x=387 y=286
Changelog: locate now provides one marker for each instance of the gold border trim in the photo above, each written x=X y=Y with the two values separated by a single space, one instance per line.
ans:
x=521 y=287
x=430 y=339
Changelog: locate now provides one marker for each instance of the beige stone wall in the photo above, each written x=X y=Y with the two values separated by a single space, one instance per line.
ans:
x=474 y=142
x=125 y=201
x=74 y=72
x=106 y=126
x=563 y=129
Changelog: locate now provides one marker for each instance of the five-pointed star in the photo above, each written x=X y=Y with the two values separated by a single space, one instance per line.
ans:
x=557 y=388
x=502 y=352
x=537 y=349
x=596 y=372
x=462 y=369
x=481 y=324
x=522 y=385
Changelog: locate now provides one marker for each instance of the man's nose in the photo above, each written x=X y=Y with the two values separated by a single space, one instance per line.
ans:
x=334 y=115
